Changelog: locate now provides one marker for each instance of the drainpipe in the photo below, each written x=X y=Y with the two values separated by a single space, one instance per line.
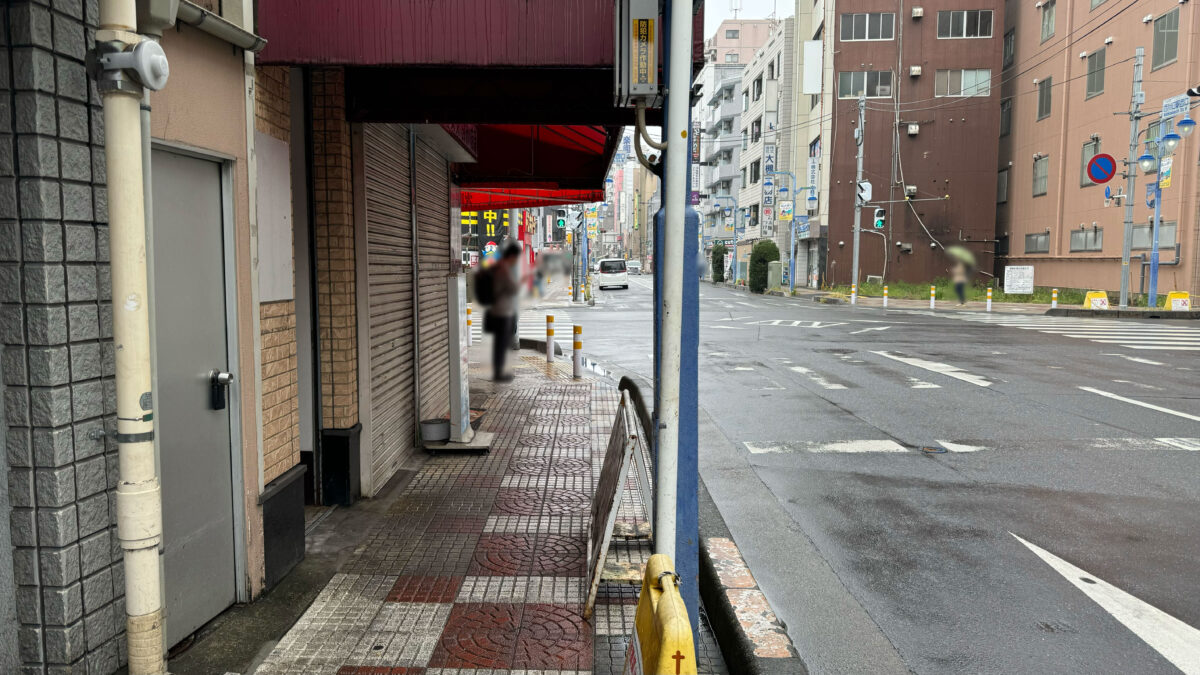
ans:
x=416 y=285
x=675 y=204
x=123 y=63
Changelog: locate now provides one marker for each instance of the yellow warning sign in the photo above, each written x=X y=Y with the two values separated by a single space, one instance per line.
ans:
x=644 y=54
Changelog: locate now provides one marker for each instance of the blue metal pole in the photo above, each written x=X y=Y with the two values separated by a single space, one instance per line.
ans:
x=1152 y=300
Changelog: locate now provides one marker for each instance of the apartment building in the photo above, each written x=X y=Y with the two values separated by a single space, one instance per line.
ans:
x=766 y=132
x=1067 y=75
x=932 y=114
x=809 y=125
x=736 y=40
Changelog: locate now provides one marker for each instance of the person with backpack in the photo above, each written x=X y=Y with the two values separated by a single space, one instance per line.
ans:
x=497 y=288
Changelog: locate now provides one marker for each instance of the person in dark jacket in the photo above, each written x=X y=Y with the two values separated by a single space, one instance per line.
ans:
x=502 y=315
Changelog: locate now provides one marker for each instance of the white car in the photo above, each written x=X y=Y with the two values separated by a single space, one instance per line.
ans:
x=612 y=273
x=634 y=266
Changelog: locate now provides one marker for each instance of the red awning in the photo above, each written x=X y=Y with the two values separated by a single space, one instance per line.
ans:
x=540 y=159
x=490 y=199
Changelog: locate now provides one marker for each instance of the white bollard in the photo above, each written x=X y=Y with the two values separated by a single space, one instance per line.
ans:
x=470 y=336
x=932 y=296
x=885 y=296
x=549 y=338
x=577 y=353
x=1054 y=298
x=854 y=294
x=989 y=299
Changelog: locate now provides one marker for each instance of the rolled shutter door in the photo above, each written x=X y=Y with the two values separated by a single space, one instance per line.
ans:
x=433 y=235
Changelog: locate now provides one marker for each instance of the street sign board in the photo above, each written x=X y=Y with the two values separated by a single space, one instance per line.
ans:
x=814 y=172
x=785 y=210
x=1176 y=105
x=1150 y=194
x=1101 y=169
x=1164 y=174
x=729 y=223
x=1018 y=279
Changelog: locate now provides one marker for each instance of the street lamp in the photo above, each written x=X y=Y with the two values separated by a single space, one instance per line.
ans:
x=1163 y=146
x=737 y=211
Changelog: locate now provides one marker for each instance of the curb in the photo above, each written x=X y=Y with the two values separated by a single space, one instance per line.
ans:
x=538 y=345
x=752 y=639
x=1124 y=313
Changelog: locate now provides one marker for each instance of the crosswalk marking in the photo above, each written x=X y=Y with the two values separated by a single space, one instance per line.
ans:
x=1133 y=335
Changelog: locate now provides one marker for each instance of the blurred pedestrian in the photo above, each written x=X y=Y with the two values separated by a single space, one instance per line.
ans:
x=501 y=317
x=960 y=274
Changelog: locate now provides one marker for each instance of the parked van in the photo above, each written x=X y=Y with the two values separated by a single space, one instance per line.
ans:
x=613 y=273
x=634 y=267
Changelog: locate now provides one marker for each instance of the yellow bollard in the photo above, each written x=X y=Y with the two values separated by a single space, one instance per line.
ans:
x=549 y=338
x=662 y=636
x=885 y=296
x=854 y=294
x=989 y=299
x=1053 y=298
x=932 y=296
x=577 y=366
x=470 y=336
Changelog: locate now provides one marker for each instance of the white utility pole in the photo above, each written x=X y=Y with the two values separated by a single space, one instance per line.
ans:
x=1131 y=165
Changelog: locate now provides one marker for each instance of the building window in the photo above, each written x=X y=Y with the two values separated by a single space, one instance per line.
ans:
x=755 y=171
x=758 y=88
x=743 y=179
x=754 y=215
x=771 y=70
x=745 y=101
x=1037 y=243
x=1041 y=174
x=731 y=57
x=1010 y=48
x=1143 y=236
x=745 y=139
x=971 y=23
x=873 y=83
x=1002 y=187
x=814 y=148
x=1090 y=150
x=756 y=130
x=732 y=34
x=1095 y=73
x=1097 y=3
x=1166 y=38
x=813 y=100
x=874 y=26
x=1047 y=20
x=1044 y=98
x=1005 y=117
x=969 y=82
x=1089 y=239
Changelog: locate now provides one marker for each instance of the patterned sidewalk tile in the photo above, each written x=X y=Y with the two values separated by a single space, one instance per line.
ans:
x=554 y=637
x=567 y=526
x=425 y=589
x=479 y=635
x=402 y=634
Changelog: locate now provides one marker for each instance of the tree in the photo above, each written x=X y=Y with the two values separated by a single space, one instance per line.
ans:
x=718 y=263
x=763 y=252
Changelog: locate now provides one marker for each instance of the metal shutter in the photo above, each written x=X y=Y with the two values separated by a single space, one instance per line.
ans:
x=433 y=234
x=389 y=298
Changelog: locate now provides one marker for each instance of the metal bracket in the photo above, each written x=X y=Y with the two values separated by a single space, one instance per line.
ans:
x=116 y=67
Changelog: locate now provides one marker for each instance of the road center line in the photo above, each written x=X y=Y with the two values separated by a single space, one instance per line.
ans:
x=935 y=367
x=817 y=378
x=845 y=447
x=1137 y=359
x=1178 y=642
x=1151 y=406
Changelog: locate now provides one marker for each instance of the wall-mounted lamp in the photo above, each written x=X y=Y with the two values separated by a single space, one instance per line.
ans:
x=1148 y=18
x=1083 y=55
x=1108 y=40
x=1038 y=155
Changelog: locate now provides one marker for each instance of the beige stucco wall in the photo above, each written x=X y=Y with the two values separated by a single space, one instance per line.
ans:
x=203 y=107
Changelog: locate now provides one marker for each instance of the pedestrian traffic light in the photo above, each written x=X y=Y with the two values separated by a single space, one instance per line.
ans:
x=880 y=215
x=562 y=218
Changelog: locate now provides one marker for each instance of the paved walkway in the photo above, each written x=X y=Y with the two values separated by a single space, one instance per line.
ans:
x=480 y=568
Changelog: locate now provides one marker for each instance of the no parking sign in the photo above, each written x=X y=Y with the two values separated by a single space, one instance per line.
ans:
x=1101 y=168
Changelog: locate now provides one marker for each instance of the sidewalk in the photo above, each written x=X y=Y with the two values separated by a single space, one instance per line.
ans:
x=943 y=304
x=479 y=566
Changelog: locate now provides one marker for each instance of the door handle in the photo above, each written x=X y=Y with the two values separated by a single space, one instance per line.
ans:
x=219 y=382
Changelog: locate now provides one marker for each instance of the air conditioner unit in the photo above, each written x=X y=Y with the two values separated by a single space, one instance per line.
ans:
x=910 y=190
x=918 y=12
x=914 y=129
x=914 y=71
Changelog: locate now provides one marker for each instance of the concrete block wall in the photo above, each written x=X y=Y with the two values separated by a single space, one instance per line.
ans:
x=55 y=326
x=277 y=320
x=333 y=195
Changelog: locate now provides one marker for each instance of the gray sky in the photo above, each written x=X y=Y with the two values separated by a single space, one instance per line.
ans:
x=716 y=11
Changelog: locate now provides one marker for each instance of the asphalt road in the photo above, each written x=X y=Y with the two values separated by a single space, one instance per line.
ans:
x=882 y=557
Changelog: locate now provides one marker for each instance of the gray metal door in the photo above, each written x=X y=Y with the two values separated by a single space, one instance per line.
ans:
x=189 y=316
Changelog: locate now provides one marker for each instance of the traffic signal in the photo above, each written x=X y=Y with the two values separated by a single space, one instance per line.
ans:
x=880 y=215
x=561 y=218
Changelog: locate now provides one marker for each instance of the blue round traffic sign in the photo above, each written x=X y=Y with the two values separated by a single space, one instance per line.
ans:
x=1102 y=168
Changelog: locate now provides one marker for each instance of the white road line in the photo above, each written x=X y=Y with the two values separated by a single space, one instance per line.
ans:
x=856 y=332
x=817 y=378
x=914 y=383
x=846 y=447
x=742 y=368
x=1137 y=359
x=1139 y=384
x=1163 y=348
x=960 y=447
x=935 y=367
x=1192 y=444
x=1151 y=406
x=1178 y=642
x=727 y=327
